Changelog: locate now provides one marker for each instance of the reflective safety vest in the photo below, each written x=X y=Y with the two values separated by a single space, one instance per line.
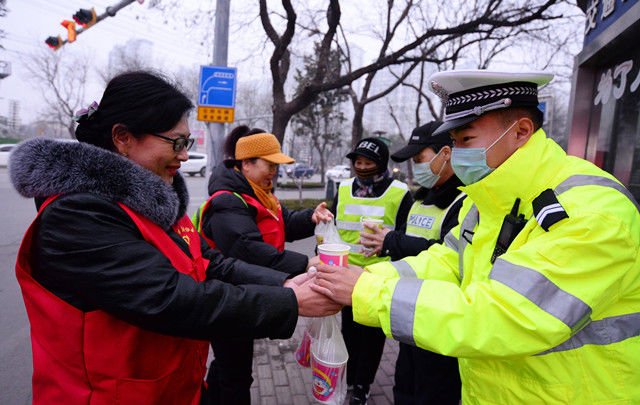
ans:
x=95 y=358
x=271 y=227
x=553 y=320
x=352 y=209
x=425 y=221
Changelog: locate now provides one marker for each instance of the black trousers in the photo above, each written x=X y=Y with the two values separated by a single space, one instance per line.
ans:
x=423 y=377
x=229 y=378
x=365 y=345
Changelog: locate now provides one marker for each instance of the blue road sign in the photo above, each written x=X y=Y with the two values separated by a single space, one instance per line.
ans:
x=217 y=87
x=542 y=106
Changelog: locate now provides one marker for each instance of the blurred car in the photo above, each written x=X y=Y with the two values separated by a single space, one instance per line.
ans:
x=197 y=164
x=339 y=172
x=5 y=151
x=298 y=170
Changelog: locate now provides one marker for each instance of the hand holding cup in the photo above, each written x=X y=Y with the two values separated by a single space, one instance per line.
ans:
x=312 y=303
x=336 y=282
x=372 y=238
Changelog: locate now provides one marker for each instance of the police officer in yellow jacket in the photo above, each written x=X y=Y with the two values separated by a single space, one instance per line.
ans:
x=421 y=376
x=374 y=194
x=537 y=291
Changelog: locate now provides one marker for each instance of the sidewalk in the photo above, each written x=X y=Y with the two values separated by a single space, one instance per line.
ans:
x=280 y=380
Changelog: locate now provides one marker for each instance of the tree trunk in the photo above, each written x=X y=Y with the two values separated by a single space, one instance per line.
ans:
x=300 y=181
x=72 y=130
x=357 y=128
x=280 y=120
x=322 y=168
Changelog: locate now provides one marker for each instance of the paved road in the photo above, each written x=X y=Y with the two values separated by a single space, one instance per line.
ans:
x=279 y=380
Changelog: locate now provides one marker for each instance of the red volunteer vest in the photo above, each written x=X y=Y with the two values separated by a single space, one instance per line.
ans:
x=94 y=358
x=270 y=226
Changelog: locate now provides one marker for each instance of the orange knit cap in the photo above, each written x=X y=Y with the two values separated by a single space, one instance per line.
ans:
x=264 y=146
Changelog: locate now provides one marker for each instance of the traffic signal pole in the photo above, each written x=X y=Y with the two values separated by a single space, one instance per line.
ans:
x=220 y=52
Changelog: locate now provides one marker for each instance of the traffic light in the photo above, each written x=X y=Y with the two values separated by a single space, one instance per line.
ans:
x=85 y=17
x=54 y=42
x=71 y=30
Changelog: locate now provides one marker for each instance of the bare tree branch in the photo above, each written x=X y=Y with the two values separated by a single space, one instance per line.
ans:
x=61 y=77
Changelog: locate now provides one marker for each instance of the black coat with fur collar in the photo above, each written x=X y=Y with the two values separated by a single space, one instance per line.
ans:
x=88 y=251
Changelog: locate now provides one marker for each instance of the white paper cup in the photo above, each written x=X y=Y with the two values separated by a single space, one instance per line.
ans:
x=334 y=254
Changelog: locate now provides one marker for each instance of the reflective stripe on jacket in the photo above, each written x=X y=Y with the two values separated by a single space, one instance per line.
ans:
x=556 y=319
x=270 y=226
x=352 y=209
x=93 y=357
x=425 y=221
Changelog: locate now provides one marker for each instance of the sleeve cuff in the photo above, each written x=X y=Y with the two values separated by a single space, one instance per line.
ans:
x=386 y=251
x=364 y=299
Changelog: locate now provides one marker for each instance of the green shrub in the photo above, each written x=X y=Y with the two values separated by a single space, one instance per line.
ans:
x=9 y=140
x=306 y=203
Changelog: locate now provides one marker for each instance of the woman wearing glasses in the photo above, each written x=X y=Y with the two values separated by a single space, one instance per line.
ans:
x=122 y=294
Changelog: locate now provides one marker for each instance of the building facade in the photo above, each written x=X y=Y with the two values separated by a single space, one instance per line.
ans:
x=605 y=100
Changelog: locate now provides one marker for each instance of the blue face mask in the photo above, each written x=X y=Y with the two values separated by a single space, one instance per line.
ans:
x=424 y=175
x=470 y=164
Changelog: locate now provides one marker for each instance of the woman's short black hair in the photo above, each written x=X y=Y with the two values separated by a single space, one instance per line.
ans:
x=142 y=101
x=232 y=139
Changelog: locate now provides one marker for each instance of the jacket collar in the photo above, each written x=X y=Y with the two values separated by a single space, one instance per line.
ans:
x=442 y=196
x=226 y=178
x=525 y=174
x=45 y=167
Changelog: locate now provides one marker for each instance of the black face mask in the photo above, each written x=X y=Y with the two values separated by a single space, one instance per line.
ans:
x=366 y=173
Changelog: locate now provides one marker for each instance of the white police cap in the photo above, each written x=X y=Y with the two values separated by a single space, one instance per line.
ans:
x=467 y=94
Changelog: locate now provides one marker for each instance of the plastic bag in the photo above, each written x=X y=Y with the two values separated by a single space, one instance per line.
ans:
x=327 y=232
x=303 y=353
x=329 y=363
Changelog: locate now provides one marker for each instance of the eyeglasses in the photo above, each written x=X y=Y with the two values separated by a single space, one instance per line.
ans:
x=179 y=143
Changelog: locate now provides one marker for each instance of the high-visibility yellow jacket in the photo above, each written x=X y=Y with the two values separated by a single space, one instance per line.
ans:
x=556 y=319
x=351 y=210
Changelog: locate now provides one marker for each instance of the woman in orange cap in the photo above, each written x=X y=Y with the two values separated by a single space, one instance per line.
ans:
x=246 y=221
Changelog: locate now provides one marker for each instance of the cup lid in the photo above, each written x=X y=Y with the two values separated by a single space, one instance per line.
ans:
x=334 y=247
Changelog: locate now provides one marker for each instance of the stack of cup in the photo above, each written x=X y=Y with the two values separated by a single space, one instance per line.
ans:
x=326 y=379
x=329 y=357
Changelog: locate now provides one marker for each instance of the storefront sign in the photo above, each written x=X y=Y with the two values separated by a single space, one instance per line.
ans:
x=615 y=81
x=602 y=14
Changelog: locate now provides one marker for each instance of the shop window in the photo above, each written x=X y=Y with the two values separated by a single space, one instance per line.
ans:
x=615 y=120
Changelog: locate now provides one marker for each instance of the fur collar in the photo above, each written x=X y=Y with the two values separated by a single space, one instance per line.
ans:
x=44 y=167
